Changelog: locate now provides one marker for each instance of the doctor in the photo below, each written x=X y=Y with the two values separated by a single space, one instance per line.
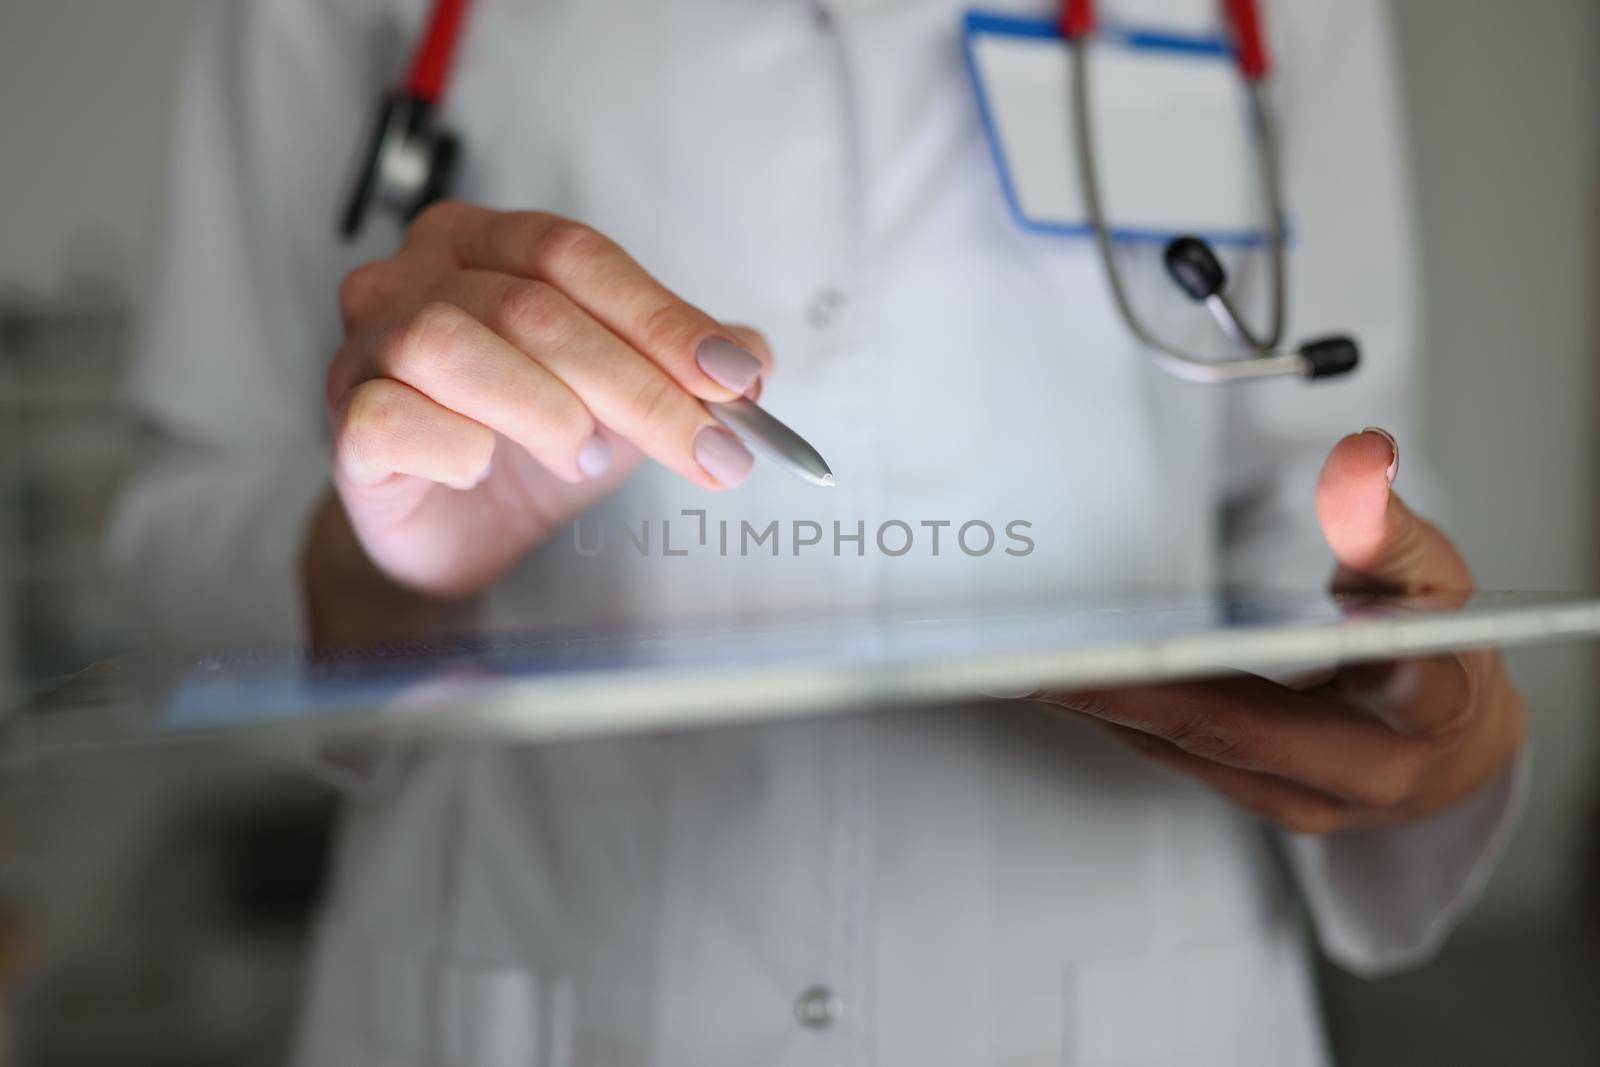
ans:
x=1084 y=882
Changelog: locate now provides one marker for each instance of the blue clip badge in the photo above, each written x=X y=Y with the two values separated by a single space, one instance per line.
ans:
x=1171 y=127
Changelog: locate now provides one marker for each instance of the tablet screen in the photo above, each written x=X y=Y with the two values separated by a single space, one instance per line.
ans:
x=584 y=683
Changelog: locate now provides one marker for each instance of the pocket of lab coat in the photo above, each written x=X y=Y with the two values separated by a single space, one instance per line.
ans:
x=1245 y=1001
x=369 y=1004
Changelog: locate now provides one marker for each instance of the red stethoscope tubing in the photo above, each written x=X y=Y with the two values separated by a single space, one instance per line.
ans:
x=1243 y=17
x=430 y=66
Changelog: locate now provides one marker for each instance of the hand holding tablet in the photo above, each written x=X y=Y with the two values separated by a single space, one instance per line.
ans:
x=1379 y=742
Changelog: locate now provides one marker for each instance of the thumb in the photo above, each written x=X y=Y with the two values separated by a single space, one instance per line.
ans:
x=1377 y=540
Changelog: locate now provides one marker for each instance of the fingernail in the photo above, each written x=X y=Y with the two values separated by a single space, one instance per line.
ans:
x=476 y=478
x=1394 y=450
x=594 y=457
x=722 y=456
x=469 y=481
x=727 y=364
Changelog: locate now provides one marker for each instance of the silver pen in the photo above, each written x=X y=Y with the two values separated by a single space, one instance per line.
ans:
x=772 y=439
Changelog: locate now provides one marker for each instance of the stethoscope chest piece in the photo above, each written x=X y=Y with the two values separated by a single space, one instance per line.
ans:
x=408 y=163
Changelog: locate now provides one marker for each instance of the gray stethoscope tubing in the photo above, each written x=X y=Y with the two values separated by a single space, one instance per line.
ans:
x=1320 y=358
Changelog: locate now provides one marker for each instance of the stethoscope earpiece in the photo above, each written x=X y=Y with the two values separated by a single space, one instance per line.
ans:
x=408 y=163
x=1326 y=357
x=1195 y=268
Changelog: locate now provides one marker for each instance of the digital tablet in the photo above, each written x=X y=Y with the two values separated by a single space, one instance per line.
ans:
x=555 y=685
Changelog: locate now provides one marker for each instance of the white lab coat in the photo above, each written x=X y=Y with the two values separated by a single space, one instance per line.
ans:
x=971 y=885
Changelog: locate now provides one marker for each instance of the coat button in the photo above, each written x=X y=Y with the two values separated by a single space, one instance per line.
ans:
x=823 y=310
x=817 y=1008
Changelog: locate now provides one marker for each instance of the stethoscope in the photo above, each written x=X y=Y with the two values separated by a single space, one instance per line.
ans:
x=409 y=160
x=1189 y=260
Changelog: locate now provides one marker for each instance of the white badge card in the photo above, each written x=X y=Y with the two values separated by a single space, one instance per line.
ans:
x=1171 y=126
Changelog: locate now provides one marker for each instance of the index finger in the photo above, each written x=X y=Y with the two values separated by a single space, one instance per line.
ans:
x=705 y=357
x=1255 y=725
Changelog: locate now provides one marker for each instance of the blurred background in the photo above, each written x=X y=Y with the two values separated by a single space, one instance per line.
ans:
x=151 y=909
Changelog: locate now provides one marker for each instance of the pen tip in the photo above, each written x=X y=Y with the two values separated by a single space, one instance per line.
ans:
x=826 y=481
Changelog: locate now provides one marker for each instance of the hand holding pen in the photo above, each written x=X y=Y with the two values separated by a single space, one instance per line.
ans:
x=503 y=371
